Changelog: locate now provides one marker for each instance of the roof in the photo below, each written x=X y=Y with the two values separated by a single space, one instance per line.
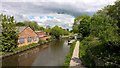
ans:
x=39 y=31
x=21 y=28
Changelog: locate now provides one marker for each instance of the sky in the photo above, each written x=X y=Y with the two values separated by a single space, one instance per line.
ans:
x=51 y=12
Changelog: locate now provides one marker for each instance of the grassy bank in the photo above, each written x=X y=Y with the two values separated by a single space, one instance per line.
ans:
x=23 y=48
x=69 y=55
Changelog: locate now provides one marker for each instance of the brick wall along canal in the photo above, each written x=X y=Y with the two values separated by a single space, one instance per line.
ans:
x=52 y=55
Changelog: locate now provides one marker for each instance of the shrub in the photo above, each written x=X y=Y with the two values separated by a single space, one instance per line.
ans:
x=41 y=42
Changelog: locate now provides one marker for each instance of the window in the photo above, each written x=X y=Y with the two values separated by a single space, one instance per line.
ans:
x=29 y=39
x=21 y=40
x=35 y=38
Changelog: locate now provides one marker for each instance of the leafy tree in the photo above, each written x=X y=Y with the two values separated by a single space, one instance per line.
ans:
x=104 y=27
x=20 y=24
x=41 y=28
x=31 y=24
x=57 y=31
x=81 y=25
x=104 y=38
x=76 y=24
x=114 y=12
x=9 y=35
x=47 y=30
x=75 y=29
x=84 y=26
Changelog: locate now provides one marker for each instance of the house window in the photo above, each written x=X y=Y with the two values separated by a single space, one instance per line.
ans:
x=21 y=40
x=35 y=38
x=29 y=39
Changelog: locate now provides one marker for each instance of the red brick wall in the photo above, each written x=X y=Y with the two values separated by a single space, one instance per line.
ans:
x=41 y=33
x=28 y=32
x=44 y=38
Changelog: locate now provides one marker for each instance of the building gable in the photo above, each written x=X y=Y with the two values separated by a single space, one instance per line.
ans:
x=27 y=32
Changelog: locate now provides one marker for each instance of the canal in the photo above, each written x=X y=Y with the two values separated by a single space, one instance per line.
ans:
x=51 y=54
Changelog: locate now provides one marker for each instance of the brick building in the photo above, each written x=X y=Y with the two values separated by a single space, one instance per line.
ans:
x=42 y=35
x=26 y=36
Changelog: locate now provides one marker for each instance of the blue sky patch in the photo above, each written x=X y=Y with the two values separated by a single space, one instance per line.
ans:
x=50 y=17
x=31 y=17
x=42 y=17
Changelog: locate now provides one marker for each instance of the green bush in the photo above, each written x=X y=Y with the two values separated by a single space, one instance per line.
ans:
x=83 y=52
x=98 y=50
x=41 y=42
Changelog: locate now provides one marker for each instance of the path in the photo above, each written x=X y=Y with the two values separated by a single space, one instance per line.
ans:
x=75 y=61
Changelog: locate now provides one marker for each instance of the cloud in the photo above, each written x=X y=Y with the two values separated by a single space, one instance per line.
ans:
x=45 y=12
x=62 y=20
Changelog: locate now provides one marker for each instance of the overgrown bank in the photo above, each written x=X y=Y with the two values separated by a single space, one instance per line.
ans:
x=84 y=54
x=23 y=48
x=93 y=52
x=69 y=55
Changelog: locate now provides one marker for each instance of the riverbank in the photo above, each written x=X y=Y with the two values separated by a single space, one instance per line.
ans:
x=41 y=56
x=69 y=55
x=75 y=61
x=22 y=49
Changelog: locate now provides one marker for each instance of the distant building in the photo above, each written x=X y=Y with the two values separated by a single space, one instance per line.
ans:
x=26 y=36
x=42 y=35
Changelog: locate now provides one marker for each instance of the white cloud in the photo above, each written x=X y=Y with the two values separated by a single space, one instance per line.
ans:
x=22 y=9
x=62 y=20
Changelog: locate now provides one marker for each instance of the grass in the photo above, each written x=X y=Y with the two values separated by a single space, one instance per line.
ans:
x=69 y=55
x=25 y=47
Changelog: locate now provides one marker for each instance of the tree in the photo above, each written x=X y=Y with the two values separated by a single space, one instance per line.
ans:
x=41 y=28
x=84 y=26
x=31 y=24
x=114 y=12
x=47 y=30
x=105 y=28
x=57 y=31
x=81 y=25
x=75 y=29
x=104 y=36
x=9 y=35
x=20 y=24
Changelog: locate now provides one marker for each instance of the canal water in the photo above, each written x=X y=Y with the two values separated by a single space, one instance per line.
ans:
x=52 y=54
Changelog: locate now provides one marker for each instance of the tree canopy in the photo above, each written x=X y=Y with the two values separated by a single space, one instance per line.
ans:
x=101 y=33
x=81 y=25
x=31 y=24
x=9 y=36
x=57 y=31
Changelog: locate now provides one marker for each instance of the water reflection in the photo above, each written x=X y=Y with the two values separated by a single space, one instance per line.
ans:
x=23 y=59
x=53 y=55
